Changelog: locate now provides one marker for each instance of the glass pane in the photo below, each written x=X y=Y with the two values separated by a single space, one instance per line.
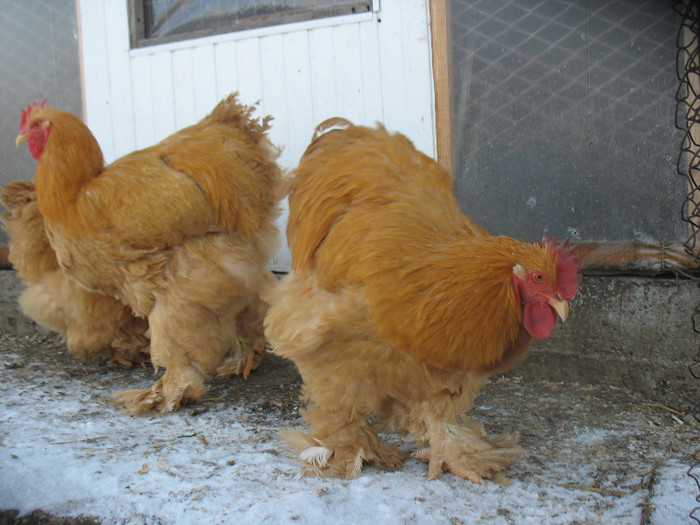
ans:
x=166 y=18
x=563 y=118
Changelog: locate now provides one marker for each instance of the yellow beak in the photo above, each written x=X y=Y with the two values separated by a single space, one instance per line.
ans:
x=561 y=307
x=21 y=139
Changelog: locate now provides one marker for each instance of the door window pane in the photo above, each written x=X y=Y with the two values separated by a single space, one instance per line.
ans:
x=158 y=21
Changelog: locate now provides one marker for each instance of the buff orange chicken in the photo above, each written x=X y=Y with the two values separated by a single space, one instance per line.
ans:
x=180 y=232
x=399 y=307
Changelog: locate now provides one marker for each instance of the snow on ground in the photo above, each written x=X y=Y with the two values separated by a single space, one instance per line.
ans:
x=64 y=449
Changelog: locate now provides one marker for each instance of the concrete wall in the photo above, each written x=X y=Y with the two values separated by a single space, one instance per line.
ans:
x=629 y=332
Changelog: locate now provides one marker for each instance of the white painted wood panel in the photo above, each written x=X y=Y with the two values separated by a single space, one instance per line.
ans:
x=274 y=88
x=141 y=85
x=322 y=79
x=96 y=74
x=225 y=67
x=248 y=70
x=205 y=94
x=162 y=96
x=299 y=115
x=370 y=67
x=183 y=87
x=120 y=101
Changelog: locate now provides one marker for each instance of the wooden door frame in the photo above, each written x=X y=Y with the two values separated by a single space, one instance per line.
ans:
x=440 y=40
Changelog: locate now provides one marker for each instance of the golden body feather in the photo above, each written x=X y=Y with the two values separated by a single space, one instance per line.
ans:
x=181 y=232
x=398 y=307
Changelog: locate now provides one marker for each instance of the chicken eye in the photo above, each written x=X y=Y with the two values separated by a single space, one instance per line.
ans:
x=538 y=277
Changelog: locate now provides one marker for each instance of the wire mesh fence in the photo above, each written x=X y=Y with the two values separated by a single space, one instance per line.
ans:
x=556 y=107
x=39 y=58
x=688 y=121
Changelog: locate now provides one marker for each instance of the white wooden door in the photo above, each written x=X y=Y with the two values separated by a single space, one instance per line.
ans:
x=369 y=67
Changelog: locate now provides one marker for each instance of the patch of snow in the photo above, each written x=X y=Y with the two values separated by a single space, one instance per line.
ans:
x=64 y=450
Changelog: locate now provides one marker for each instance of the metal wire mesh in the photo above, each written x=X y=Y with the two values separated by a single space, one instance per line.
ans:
x=688 y=121
x=38 y=58
x=557 y=106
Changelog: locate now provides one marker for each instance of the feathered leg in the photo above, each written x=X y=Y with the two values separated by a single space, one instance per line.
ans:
x=319 y=336
x=251 y=336
x=195 y=324
x=462 y=447
x=339 y=443
x=131 y=345
x=190 y=358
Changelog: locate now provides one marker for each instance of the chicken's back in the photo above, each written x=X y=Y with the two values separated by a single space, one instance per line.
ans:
x=360 y=183
x=232 y=161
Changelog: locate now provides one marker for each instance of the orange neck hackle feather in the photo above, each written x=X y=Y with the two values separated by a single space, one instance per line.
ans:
x=451 y=304
x=71 y=158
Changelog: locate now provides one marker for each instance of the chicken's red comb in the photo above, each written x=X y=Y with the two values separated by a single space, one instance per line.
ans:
x=568 y=277
x=27 y=113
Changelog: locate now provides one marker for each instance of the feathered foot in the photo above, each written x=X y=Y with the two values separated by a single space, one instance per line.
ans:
x=240 y=364
x=165 y=395
x=128 y=351
x=469 y=453
x=119 y=360
x=250 y=350
x=333 y=457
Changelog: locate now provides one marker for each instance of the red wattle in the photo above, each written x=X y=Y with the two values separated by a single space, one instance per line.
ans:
x=35 y=149
x=539 y=320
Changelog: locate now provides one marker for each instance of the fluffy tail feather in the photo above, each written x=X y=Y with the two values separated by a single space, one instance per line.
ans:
x=330 y=124
x=236 y=171
x=16 y=194
x=231 y=112
x=290 y=181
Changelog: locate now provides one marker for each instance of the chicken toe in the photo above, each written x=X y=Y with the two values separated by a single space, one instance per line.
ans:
x=469 y=453
x=341 y=452
x=166 y=394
